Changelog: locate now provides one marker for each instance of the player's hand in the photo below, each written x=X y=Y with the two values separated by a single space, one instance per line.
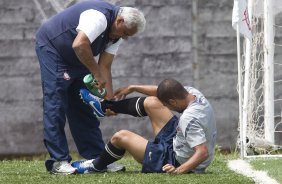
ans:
x=121 y=93
x=110 y=113
x=168 y=168
x=101 y=82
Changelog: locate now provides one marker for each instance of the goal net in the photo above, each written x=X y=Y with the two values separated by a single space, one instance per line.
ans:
x=261 y=76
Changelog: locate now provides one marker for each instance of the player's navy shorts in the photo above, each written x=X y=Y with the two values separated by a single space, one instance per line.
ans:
x=160 y=151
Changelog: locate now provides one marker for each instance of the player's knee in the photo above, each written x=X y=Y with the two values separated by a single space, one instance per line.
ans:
x=152 y=102
x=119 y=136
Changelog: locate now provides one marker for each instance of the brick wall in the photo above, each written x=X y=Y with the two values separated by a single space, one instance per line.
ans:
x=163 y=50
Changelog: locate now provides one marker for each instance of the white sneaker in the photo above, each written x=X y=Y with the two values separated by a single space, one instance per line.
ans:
x=115 y=167
x=62 y=167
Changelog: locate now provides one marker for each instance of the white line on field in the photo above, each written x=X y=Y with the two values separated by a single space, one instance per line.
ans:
x=244 y=168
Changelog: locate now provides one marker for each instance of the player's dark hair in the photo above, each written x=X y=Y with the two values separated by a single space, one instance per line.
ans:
x=171 y=89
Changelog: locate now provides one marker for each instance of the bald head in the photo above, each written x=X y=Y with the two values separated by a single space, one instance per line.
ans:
x=171 y=89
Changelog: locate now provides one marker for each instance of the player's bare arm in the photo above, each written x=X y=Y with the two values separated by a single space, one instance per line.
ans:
x=105 y=64
x=82 y=49
x=150 y=90
x=200 y=155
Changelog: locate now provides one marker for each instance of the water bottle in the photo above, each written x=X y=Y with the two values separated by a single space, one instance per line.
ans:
x=90 y=83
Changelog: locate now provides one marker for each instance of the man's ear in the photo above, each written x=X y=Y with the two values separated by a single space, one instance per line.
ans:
x=171 y=101
x=119 y=20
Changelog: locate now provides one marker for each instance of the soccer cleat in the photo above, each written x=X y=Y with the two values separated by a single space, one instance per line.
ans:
x=86 y=166
x=59 y=167
x=93 y=102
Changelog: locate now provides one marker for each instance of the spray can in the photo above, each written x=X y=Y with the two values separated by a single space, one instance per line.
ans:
x=90 y=83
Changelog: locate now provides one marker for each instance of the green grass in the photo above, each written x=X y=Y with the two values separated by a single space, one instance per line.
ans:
x=33 y=172
x=272 y=166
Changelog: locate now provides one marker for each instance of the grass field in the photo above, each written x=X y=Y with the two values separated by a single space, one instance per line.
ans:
x=33 y=172
x=272 y=166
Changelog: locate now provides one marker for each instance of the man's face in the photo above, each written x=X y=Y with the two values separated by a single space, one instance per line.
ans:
x=176 y=105
x=119 y=30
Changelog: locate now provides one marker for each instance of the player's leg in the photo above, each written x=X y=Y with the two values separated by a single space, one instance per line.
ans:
x=136 y=106
x=142 y=106
x=54 y=100
x=131 y=106
x=83 y=124
x=122 y=141
x=115 y=149
x=151 y=154
x=157 y=112
x=131 y=142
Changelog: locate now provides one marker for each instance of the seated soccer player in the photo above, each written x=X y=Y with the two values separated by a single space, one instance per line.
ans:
x=181 y=145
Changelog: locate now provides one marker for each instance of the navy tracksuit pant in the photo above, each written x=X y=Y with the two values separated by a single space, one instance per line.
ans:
x=61 y=101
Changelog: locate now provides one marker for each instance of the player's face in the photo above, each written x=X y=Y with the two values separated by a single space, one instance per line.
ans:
x=175 y=105
x=119 y=30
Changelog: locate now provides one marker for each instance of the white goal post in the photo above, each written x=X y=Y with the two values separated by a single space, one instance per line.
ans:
x=260 y=109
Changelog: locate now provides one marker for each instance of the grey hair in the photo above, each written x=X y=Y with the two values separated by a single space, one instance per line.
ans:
x=133 y=18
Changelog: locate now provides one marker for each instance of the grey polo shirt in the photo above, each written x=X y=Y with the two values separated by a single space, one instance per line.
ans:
x=196 y=126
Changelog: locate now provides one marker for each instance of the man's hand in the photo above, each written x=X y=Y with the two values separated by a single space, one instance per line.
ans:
x=109 y=112
x=200 y=155
x=168 y=168
x=100 y=81
x=121 y=93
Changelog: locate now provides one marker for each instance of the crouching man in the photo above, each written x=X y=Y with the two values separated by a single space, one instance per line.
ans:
x=182 y=145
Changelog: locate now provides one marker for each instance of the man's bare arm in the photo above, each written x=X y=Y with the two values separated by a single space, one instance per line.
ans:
x=150 y=90
x=82 y=49
x=105 y=64
x=200 y=155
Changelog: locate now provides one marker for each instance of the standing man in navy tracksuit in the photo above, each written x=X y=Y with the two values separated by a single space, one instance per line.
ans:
x=66 y=45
